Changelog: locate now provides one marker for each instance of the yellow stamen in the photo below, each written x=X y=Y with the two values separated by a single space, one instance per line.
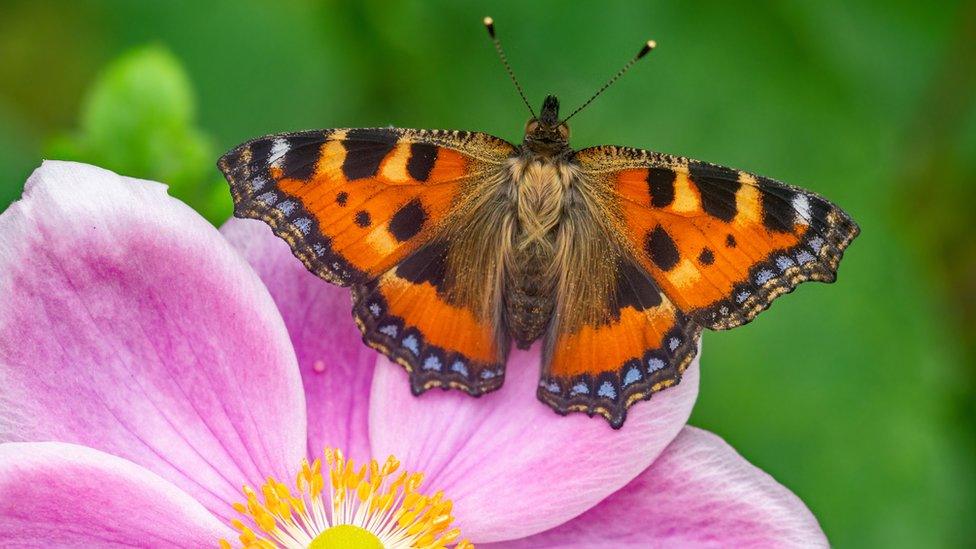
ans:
x=359 y=507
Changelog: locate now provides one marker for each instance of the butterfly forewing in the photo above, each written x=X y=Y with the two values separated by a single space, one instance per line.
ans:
x=721 y=243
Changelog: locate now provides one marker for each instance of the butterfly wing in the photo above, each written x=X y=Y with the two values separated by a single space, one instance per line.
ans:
x=674 y=245
x=374 y=209
x=615 y=337
x=641 y=344
x=721 y=243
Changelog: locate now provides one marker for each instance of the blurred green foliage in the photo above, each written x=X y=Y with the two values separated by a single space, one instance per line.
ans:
x=139 y=119
x=858 y=396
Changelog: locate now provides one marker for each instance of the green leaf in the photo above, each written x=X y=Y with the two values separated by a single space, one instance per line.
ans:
x=138 y=119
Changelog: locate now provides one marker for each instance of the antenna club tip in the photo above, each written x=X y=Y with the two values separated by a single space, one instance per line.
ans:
x=490 y=25
x=648 y=46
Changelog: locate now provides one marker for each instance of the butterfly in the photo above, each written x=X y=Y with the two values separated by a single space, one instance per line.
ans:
x=458 y=244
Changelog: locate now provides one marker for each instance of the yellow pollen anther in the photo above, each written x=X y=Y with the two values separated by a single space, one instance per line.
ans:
x=366 y=506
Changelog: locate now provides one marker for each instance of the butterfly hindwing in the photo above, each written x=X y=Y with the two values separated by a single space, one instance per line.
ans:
x=721 y=243
x=642 y=346
x=614 y=338
x=370 y=208
x=409 y=315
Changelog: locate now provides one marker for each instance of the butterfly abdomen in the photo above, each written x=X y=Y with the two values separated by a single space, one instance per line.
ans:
x=529 y=299
x=539 y=188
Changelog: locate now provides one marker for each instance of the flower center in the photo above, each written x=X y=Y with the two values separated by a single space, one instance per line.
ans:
x=367 y=508
x=346 y=535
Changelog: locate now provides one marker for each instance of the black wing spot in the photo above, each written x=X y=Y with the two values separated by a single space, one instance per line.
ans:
x=706 y=257
x=363 y=218
x=408 y=220
x=819 y=213
x=365 y=151
x=422 y=159
x=661 y=249
x=730 y=241
x=634 y=288
x=660 y=185
x=777 y=207
x=341 y=198
x=428 y=264
x=261 y=153
x=717 y=187
x=301 y=160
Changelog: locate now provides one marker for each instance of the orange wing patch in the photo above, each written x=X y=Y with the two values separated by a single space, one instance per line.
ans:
x=353 y=203
x=643 y=347
x=408 y=317
x=721 y=243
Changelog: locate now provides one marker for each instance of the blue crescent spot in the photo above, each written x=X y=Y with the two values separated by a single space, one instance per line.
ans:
x=655 y=364
x=764 y=276
x=673 y=343
x=460 y=368
x=784 y=262
x=580 y=389
x=607 y=390
x=817 y=244
x=257 y=184
x=633 y=375
x=268 y=198
x=411 y=343
x=303 y=224
x=286 y=207
x=432 y=363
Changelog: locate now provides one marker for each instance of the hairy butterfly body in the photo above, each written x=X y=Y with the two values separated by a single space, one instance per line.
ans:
x=457 y=244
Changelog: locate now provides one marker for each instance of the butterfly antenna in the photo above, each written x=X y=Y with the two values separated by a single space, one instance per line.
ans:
x=490 y=25
x=648 y=46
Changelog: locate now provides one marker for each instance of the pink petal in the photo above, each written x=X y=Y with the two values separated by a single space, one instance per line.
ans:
x=129 y=325
x=64 y=495
x=699 y=493
x=510 y=464
x=337 y=368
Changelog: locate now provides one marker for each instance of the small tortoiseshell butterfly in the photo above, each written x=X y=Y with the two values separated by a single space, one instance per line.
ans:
x=457 y=243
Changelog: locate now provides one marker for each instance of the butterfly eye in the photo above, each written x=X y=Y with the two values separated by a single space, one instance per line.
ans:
x=531 y=126
x=564 y=131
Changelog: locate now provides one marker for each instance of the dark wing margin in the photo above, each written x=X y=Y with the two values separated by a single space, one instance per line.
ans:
x=253 y=188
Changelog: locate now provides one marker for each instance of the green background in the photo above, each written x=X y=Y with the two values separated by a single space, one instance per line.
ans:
x=858 y=396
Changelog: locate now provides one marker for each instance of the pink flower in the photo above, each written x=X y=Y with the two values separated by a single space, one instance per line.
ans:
x=151 y=366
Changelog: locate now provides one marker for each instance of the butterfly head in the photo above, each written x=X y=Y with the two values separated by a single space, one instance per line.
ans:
x=545 y=134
